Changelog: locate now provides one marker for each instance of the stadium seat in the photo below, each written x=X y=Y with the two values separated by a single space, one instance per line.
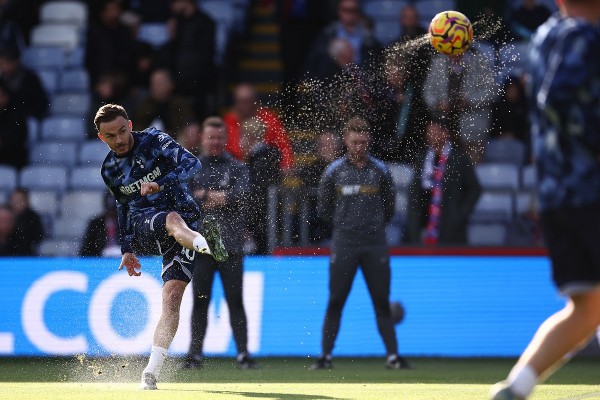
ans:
x=224 y=15
x=77 y=104
x=511 y=151
x=487 y=234
x=9 y=175
x=528 y=177
x=76 y=58
x=512 y=59
x=45 y=202
x=33 y=130
x=494 y=176
x=65 y=36
x=386 y=31
x=493 y=207
x=92 y=153
x=427 y=9
x=53 y=153
x=402 y=174
x=41 y=57
x=64 y=12
x=70 y=228
x=75 y=80
x=525 y=202
x=82 y=204
x=58 y=248
x=86 y=178
x=63 y=128
x=154 y=33
x=49 y=79
x=44 y=178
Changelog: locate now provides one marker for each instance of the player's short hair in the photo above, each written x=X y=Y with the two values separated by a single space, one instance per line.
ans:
x=356 y=124
x=213 y=122
x=109 y=112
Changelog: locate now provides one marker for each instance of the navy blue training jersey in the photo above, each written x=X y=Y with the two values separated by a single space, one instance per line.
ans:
x=155 y=157
x=564 y=90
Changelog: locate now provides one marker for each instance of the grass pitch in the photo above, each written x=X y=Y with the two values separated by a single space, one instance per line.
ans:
x=80 y=378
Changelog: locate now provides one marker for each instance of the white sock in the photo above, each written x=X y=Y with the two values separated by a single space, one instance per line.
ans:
x=157 y=357
x=200 y=245
x=522 y=380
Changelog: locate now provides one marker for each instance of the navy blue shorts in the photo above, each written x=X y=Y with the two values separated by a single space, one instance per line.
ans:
x=572 y=239
x=151 y=237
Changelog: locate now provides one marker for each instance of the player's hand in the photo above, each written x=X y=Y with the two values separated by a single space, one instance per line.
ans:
x=149 y=188
x=131 y=262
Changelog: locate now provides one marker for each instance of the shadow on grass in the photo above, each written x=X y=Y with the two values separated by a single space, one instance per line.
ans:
x=277 y=396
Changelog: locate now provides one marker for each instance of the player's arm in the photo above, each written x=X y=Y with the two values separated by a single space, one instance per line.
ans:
x=185 y=163
x=388 y=195
x=326 y=196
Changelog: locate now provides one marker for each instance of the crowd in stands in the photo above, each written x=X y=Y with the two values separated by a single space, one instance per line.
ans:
x=172 y=63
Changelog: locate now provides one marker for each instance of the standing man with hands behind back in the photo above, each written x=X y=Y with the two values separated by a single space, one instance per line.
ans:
x=356 y=195
x=221 y=189
x=147 y=172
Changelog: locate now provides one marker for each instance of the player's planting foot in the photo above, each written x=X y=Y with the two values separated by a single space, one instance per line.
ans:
x=397 y=362
x=212 y=233
x=245 y=362
x=323 y=362
x=501 y=391
x=192 y=363
x=148 y=381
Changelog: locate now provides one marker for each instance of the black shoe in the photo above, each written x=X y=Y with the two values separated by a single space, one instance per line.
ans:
x=323 y=362
x=192 y=363
x=245 y=362
x=397 y=362
x=212 y=233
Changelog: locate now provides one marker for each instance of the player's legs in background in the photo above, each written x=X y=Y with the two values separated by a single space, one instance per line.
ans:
x=375 y=264
x=204 y=272
x=342 y=270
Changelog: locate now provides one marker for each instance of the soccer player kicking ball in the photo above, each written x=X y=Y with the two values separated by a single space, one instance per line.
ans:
x=147 y=173
x=565 y=100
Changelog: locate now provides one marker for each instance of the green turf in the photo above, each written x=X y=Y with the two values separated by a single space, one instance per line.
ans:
x=280 y=378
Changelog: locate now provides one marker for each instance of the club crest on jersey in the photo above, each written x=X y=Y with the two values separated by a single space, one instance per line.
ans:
x=139 y=160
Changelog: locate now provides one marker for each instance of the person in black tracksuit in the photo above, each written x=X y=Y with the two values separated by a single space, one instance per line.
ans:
x=356 y=197
x=220 y=188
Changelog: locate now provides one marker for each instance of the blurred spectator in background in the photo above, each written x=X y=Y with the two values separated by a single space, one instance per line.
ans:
x=349 y=89
x=110 y=88
x=162 y=108
x=356 y=197
x=510 y=119
x=146 y=60
x=25 y=13
x=263 y=162
x=328 y=148
x=190 y=137
x=28 y=94
x=11 y=34
x=102 y=232
x=443 y=192
x=246 y=106
x=462 y=89
x=409 y=24
x=366 y=50
x=29 y=230
x=301 y=21
x=13 y=131
x=406 y=68
x=9 y=243
x=190 y=54
x=110 y=45
x=220 y=188
x=527 y=17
